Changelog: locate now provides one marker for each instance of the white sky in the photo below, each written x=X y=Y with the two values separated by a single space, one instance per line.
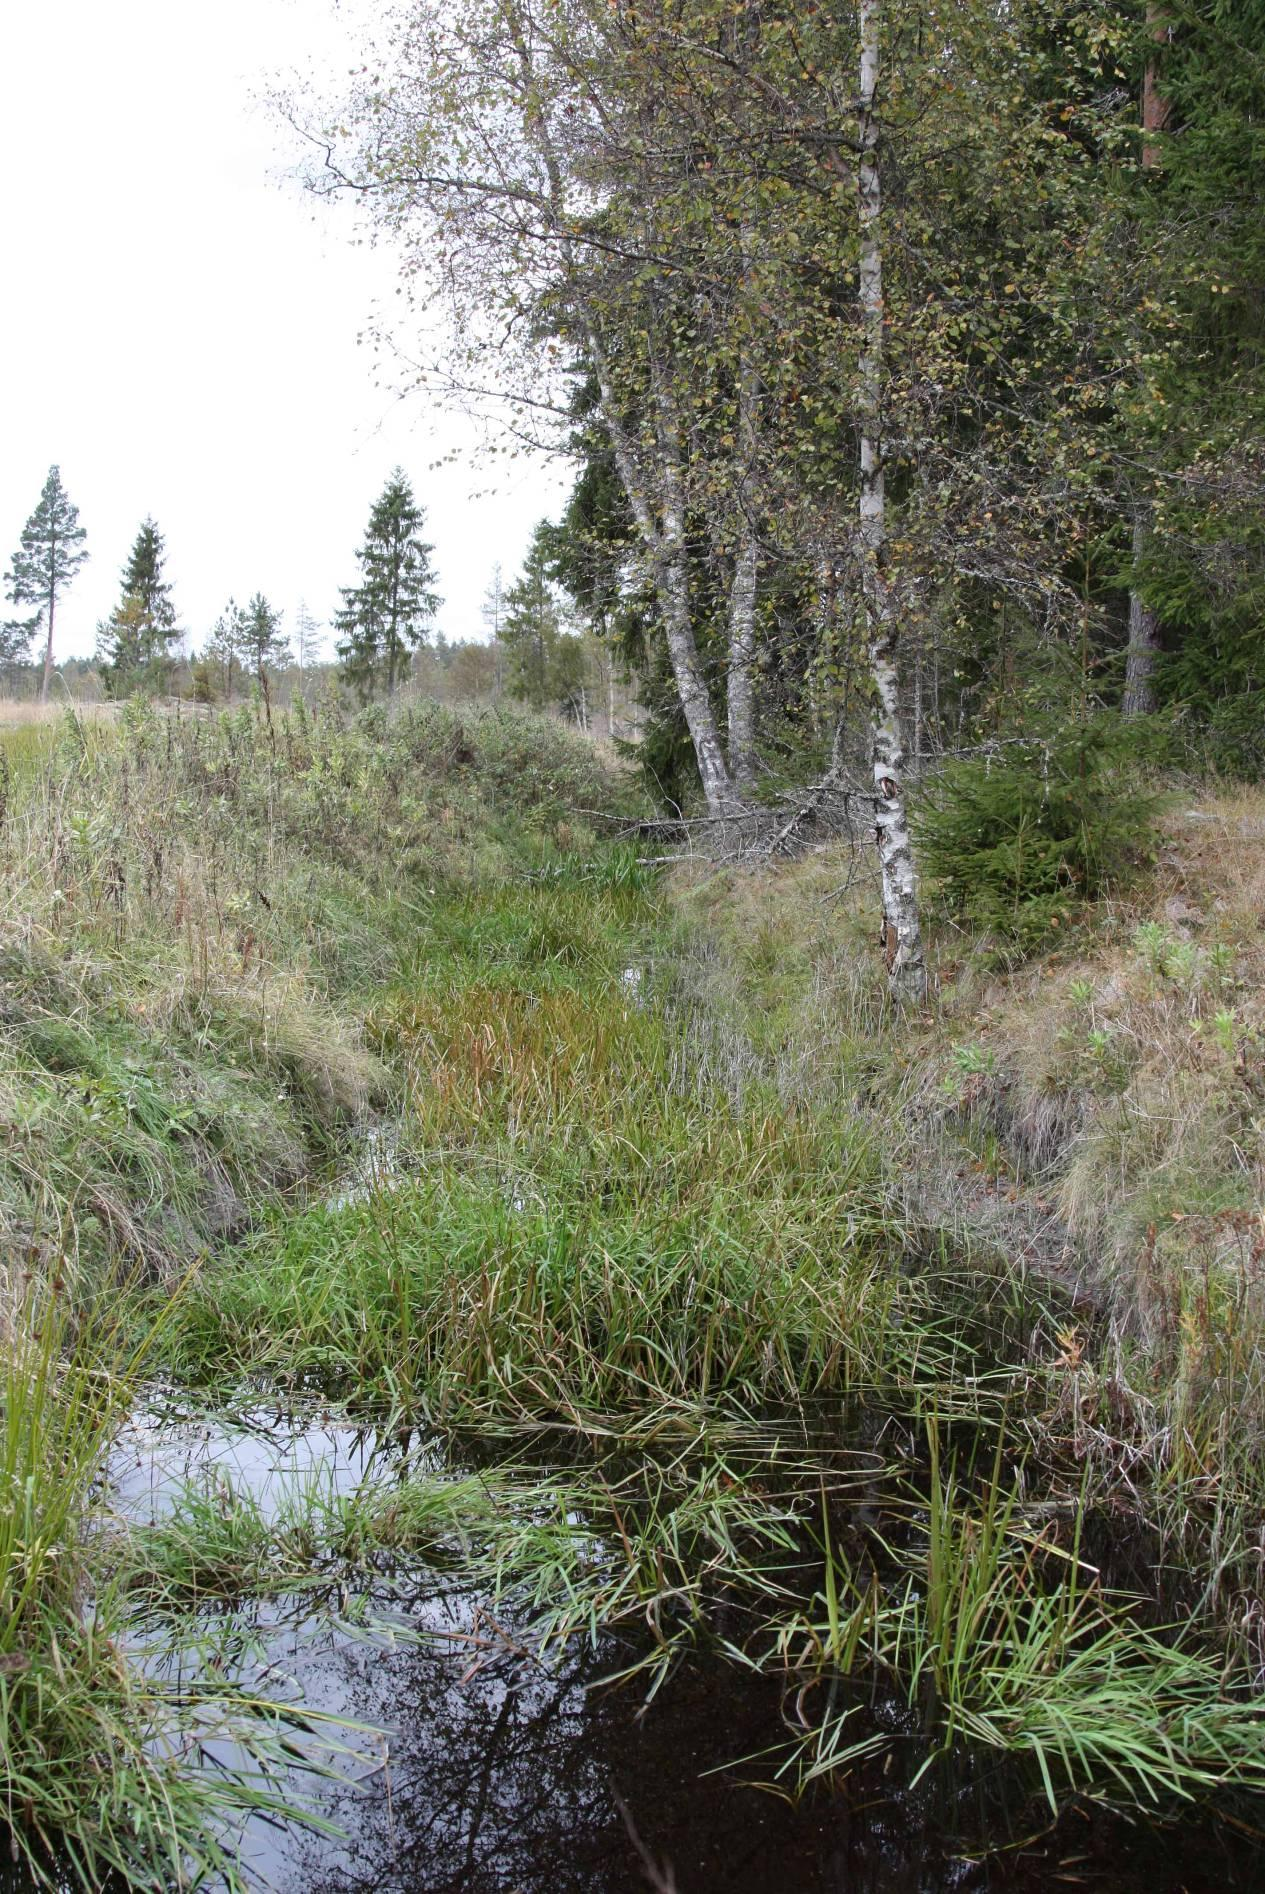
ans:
x=178 y=324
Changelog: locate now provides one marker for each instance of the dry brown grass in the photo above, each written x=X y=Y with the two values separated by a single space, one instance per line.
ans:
x=16 y=712
x=1127 y=1073
x=1110 y=1093
x=1097 y=1114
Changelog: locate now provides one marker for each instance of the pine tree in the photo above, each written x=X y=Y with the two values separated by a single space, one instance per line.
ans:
x=50 y=553
x=227 y=647
x=15 y=646
x=264 y=644
x=134 y=644
x=1194 y=429
x=389 y=613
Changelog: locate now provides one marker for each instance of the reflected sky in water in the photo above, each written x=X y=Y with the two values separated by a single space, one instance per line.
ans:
x=496 y=1775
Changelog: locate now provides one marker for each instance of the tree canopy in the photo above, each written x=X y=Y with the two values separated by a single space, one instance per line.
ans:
x=919 y=344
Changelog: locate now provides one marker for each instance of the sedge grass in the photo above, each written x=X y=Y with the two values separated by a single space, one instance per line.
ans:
x=94 y=1751
x=1003 y=1640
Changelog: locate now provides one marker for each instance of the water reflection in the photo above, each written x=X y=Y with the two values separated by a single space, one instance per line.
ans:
x=483 y=1772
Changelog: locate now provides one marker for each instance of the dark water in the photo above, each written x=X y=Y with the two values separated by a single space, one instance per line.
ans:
x=488 y=1773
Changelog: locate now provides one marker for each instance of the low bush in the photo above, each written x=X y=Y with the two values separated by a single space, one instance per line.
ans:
x=1018 y=840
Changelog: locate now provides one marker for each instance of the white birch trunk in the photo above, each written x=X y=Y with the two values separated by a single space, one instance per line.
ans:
x=663 y=537
x=740 y=681
x=664 y=541
x=902 y=936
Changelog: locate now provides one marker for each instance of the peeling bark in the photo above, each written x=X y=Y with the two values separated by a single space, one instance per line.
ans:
x=740 y=684
x=691 y=685
x=662 y=531
x=657 y=502
x=742 y=642
x=902 y=934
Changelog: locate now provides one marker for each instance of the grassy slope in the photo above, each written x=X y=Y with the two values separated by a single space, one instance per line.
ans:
x=650 y=1223
x=196 y=917
x=1098 y=1115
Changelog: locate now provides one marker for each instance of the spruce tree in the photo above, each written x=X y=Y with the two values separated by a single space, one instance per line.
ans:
x=265 y=645
x=121 y=647
x=134 y=643
x=143 y=577
x=50 y=553
x=390 y=612
x=531 y=628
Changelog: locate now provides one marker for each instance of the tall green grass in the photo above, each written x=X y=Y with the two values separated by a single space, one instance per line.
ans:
x=196 y=915
x=94 y=1750
x=1004 y=1639
x=715 y=1301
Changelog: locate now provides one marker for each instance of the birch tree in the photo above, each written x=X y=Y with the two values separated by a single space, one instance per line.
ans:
x=901 y=929
x=490 y=153
x=796 y=369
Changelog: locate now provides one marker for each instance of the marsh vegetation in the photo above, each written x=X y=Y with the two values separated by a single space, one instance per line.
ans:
x=362 y=1089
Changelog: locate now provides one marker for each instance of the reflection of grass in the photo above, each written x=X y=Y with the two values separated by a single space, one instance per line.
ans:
x=998 y=1640
x=92 y=1753
x=194 y=912
x=586 y=1232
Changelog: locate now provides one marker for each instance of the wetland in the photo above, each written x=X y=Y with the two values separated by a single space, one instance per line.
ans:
x=477 y=1420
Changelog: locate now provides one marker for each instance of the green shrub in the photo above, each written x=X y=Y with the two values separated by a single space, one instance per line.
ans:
x=1018 y=840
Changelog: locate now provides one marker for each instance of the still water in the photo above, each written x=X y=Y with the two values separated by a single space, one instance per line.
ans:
x=475 y=1769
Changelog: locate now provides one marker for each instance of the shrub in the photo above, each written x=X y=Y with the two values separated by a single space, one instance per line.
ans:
x=1019 y=839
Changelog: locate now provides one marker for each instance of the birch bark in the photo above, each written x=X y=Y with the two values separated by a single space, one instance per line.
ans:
x=656 y=497
x=902 y=934
x=740 y=683
x=660 y=521
x=742 y=641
